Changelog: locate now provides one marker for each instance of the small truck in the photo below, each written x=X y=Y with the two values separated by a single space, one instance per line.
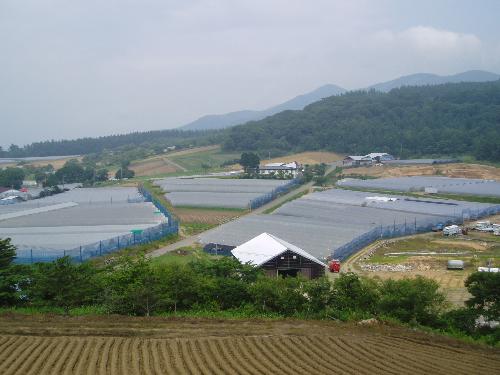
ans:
x=334 y=265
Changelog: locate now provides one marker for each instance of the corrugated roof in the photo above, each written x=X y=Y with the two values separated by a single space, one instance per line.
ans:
x=265 y=247
x=374 y=155
x=359 y=157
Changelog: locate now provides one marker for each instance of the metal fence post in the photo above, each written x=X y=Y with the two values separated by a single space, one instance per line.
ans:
x=100 y=247
x=31 y=255
x=81 y=254
x=118 y=242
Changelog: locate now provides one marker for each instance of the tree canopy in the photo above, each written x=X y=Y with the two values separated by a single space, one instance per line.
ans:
x=449 y=119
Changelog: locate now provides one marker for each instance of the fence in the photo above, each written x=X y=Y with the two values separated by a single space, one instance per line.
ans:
x=268 y=197
x=86 y=252
x=399 y=230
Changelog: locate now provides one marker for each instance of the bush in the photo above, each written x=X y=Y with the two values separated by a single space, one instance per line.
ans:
x=411 y=300
x=485 y=290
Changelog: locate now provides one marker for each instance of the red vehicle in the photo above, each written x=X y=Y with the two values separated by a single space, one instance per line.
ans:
x=334 y=265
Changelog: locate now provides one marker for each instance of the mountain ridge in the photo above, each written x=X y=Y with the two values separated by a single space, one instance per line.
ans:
x=422 y=79
x=225 y=120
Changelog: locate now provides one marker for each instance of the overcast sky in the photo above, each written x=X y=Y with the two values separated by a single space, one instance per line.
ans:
x=95 y=67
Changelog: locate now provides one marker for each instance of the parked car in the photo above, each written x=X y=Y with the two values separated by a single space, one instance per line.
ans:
x=452 y=230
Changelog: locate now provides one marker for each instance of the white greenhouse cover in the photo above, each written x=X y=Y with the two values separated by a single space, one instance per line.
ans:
x=265 y=247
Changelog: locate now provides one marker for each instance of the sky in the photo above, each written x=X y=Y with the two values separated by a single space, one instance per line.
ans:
x=81 y=68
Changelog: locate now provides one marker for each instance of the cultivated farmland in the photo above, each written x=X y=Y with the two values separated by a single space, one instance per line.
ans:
x=57 y=345
x=419 y=183
x=458 y=170
x=324 y=221
x=215 y=192
x=79 y=217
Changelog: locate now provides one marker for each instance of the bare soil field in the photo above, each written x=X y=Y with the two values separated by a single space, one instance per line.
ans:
x=447 y=170
x=124 y=345
x=152 y=167
x=311 y=157
x=475 y=249
x=206 y=216
x=56 y=163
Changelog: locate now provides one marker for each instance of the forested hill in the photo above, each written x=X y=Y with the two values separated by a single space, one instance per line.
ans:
x=81 y=146
x=448 y=119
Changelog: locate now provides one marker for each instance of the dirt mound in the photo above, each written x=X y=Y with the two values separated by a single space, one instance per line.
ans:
x=121 y=345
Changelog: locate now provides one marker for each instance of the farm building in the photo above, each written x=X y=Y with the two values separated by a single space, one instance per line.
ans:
x=356 y=161
x=287 y=169
x=278 y=258
x=380 y=157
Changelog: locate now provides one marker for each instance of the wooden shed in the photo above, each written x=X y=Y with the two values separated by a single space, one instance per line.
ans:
x=278 y=257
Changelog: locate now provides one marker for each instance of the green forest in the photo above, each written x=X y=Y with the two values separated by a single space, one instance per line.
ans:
x=455 y=119
x=450 y=119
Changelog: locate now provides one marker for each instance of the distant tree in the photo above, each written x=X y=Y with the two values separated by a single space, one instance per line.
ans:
x=485 y=290
x=12 y=276
x=438 y=120
x=249 y=161
x=12 y=177
x=132 y=287
x=181 y=287
x=7 y=252
x=352 y=293
x=205 y=167
x=62 y=283
x=411 y=300
x=15 y=150
x=124 y=173
x=71 y=172
x=101 y=174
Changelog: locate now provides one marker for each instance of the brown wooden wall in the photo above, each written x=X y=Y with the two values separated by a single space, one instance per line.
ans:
x=307 y=267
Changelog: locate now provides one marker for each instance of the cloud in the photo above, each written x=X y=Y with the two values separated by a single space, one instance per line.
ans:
x=425 y=39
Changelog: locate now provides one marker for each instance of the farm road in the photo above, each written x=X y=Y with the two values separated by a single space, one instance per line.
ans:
x=189 y=241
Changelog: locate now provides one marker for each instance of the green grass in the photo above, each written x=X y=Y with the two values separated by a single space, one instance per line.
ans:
x=138 y=249
x=182 y=255
x=214 y=158
x=38 y=310
x=423 y=244
x=192 y=228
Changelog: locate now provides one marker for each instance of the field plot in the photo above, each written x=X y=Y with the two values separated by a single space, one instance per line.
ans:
x=180 y=346
x=215 y=192
x=310 y=157
x=205 y=216
x=458 y=170
x=419 y=183
x=56 y=161
x=427 y=255
x=154 y=166
x=325 y=221
x=75 y=218
x=210 y=157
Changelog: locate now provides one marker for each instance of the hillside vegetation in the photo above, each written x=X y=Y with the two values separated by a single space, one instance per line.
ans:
x=449 y=119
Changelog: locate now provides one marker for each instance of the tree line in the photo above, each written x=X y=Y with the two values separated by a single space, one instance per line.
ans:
x=441 y=120
x=451 y=119
x=82 y=146
x=138 y=286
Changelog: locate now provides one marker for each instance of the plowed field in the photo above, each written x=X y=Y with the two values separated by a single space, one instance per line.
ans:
x=116 y=345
